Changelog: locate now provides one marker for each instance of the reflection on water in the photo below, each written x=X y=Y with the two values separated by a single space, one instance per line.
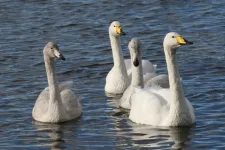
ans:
x=147 y=136
x=50 y=135
x=81 y=30
x=150 y=136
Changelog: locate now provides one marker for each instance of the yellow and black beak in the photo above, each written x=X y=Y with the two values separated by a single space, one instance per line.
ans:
x=119 y=30
x=183 y=41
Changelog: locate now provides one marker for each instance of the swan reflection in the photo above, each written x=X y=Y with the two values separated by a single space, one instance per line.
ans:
x=159 y=137
x=146 y=136
x=49 y=135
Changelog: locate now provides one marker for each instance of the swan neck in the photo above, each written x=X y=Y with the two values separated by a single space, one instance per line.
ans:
x=137 y=74
x=178 y=98
x=52 y=83
x=117 y=52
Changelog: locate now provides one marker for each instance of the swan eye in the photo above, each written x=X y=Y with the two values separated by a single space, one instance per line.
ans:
x=114 y=26
x=51 y=48
x=172 y=36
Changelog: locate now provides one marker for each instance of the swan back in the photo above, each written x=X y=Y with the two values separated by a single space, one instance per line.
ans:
x=161 y=80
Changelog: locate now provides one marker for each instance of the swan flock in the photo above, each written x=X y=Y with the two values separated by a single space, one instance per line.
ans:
x=152 y=99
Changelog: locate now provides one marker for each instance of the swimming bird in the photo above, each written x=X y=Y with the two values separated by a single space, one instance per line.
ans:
x=138 y=78
x=158 y=106
x=119 y=77
x=137 y=72
x=57 y=102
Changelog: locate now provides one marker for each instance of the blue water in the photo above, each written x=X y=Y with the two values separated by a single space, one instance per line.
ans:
x=81 y=30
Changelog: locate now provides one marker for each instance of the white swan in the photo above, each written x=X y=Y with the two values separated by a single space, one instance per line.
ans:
x=137 y=72
x=138 y=79
x=56 y=103
x=164 y=107
x=118 y=78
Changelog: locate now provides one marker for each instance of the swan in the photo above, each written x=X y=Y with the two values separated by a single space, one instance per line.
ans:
x=138 y=79
x=119 y=77
x=158 y=106
x=134 y=47
x=56 y=103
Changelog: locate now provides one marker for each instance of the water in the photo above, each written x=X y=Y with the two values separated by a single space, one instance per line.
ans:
x=81 y=30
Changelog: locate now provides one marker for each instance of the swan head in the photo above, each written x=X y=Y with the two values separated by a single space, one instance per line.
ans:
x=51 y=49
x=135 y=51
x=173 y=41
x=115 y=29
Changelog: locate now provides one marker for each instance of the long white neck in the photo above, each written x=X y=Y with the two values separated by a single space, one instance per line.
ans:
x=52 y=83
x=137 y=74
x=117 y=52
x=178 y=102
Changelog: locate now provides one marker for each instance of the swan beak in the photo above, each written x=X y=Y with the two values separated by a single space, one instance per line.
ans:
x=58 y=54
x=61 y=57
x=183 y=41
x=136 y=61
x=119 y=30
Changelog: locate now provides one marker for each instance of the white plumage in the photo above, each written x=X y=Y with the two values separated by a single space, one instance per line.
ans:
x=140 y=78
x=56 y=103
x=119 y=77
x=158 y=106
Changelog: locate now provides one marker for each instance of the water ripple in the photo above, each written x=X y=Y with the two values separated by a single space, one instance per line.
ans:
x=81 y=30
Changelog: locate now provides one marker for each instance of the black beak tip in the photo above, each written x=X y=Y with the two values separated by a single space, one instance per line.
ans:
x=136 y=63
x=122 y=33
x=191 y=42
x=63 y=58
x=188 y=42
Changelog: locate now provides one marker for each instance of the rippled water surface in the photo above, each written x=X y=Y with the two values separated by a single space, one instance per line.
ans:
x=81 y=30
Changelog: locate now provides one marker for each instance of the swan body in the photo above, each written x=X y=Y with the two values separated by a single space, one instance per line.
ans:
x=119 y=77
x=160 y=80
x=56 y=103
x=164 y=106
